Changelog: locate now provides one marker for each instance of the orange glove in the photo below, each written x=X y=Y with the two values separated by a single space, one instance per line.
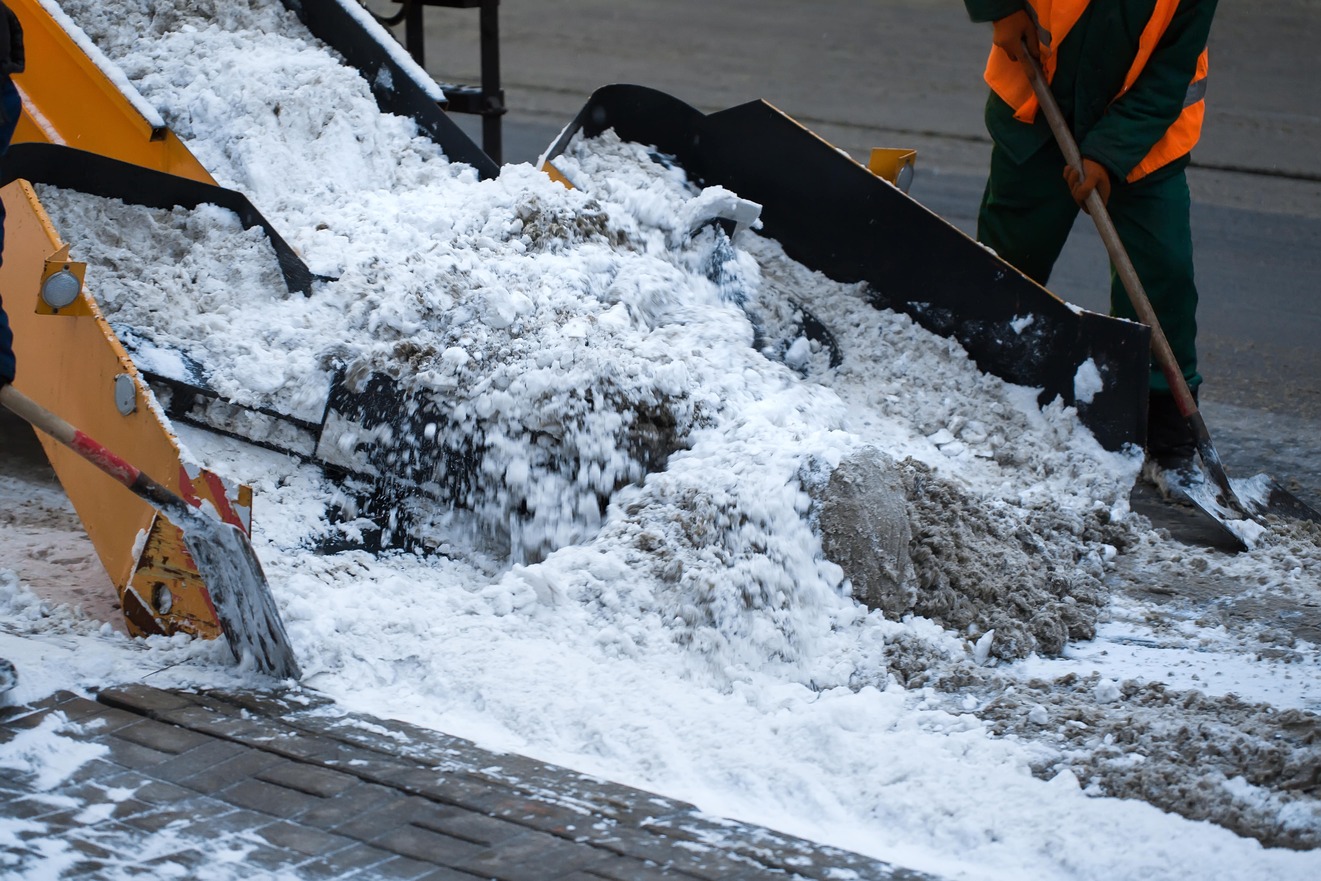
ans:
x=1010 y=32
x=1093 y=177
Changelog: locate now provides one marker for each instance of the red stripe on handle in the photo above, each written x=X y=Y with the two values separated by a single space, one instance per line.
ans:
x=104 y=459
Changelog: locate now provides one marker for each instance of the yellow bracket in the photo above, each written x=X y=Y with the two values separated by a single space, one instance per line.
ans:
x=556 y=175
x=165 y=594
x=57 y=294
x=895 y=164
x=68 y=99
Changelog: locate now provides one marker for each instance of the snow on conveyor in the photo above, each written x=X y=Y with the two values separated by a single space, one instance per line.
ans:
x=691 y=638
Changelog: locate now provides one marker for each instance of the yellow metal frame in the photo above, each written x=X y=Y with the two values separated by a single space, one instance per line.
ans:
x=68 y=363
x=68 y=100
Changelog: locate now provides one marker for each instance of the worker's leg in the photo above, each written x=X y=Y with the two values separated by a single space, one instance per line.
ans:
x=1153 y=223
x=1027 y=211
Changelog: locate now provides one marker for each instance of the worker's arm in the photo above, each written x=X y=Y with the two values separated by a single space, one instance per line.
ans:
x=1013 y=25
x=6 y=348
x=14 y=56
x=1135 y=121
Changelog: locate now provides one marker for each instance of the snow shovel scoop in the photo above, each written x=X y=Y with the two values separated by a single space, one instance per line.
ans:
x=222 y=553
x=1238 y=512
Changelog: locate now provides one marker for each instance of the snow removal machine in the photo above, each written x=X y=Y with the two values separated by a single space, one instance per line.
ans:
x=85 y=128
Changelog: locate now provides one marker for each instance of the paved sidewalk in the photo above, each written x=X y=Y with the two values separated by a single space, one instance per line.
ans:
x=296 y=788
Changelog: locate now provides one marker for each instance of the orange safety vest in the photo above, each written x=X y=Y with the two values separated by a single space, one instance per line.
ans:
x=1054 y=19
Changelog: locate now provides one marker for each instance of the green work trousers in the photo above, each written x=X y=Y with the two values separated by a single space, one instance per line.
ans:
x=1027 y=212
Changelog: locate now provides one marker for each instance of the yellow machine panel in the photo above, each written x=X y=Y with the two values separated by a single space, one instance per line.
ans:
x=70 y=362
x=68 y=99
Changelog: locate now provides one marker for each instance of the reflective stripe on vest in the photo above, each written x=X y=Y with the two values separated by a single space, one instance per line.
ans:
x=1054 y=19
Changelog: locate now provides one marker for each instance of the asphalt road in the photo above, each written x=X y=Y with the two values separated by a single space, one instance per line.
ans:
x=908 y=73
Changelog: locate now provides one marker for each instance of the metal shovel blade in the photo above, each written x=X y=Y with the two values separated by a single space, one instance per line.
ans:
x=239 y=591
x=1263 y=497
x=1224 y=510
x=1239 y=513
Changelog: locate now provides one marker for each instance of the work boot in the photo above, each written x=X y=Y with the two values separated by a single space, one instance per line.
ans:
x=1171 y=447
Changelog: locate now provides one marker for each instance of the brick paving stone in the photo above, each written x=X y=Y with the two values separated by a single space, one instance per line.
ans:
x=30 y=716
x=311 y=779
x=410 y=778
x=261 y=858
x=698 y=860
x=349 y=806
x=399 y=868
x=133 y=755
x=29 y=807
x=423 y=844
x=77 y=709
x=10 y=713
x=226 y=773
x=197 y=811
x=149 y=790
x=10 y=787
x=532 y=856
x=238 y=821
x=107 y=721
x=303 y=839
x=269 y=798
x=189 y=859
x=351 y=759
x=94 y=769
x=752 y=843
x=290 y=745
x=60 y=822
x=477 y=795
x=366 y=765
x=270 y=704
x=90 y=850
x=443 y=874
x=388 y=817
x=217 y=725
x=162 y=736
x=145 y=700
x=536 y=814
x=345 y=863
x=203 y=756
x=625 y=869
x=468 y=826
x=132 y=807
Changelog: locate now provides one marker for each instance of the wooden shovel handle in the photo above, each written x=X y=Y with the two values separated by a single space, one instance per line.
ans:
x=90 y=449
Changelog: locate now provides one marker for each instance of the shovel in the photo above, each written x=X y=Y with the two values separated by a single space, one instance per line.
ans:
x=224 y=557
x=1237 y=512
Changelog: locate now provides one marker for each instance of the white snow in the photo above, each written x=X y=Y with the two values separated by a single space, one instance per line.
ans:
x=1087 y=382
x=691 y=639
